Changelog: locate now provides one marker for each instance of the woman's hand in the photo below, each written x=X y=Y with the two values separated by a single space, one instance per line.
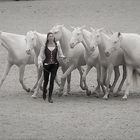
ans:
x=40 y=65
x=65 y=60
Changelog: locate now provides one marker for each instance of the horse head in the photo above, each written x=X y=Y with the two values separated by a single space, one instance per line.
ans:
x=101 y=39
x=96 y=34
x=77 y=36
x=115 y=41
x=57 y=31
x=30 y=41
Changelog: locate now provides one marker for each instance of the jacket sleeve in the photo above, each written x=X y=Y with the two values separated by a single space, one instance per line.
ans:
x=41 y=56
x=60 y=53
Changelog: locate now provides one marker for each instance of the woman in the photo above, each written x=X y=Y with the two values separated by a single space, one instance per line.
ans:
x=48 y=59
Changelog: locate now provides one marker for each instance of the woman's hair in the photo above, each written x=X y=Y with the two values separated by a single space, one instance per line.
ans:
x=47 y=41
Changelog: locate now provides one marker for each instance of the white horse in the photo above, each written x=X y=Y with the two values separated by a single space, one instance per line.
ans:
x=108 y=63
x=91 y=53
x=75 y=56
x=130 y=44
x=34 y=41
x=16 y=47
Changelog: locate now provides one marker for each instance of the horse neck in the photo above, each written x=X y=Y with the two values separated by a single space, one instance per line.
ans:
x=39 y=39
x=124 y=45
x=101 y=46
x=65 y=40
x=85 y=41
x=7 y=41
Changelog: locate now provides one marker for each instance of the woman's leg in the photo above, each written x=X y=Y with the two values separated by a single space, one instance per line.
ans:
x=46 y=79
x=53 y=74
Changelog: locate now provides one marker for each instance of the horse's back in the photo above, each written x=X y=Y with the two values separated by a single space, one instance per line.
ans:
x=131 y=46
x=17 y=48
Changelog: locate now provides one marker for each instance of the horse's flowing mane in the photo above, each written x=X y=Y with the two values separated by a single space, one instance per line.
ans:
x=65 y=39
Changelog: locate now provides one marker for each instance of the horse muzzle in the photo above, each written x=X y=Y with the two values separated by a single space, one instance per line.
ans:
x=72 y=45
x=28 y=52
x=107 y=54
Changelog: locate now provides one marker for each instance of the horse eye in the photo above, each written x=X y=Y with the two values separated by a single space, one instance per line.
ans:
x=55 y=32
x=97 y=35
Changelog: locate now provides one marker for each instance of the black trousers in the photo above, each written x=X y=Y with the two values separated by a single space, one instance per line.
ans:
x=50 y=69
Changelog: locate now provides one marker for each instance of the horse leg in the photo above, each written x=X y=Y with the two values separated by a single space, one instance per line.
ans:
x=21 y=75
x=68 y=83
x=128 y=82
x=88 y=68
x=56 y=80
x=8 y=67
x=39 y=73
x=80 y=69
x=102 y=78
x=108 y=77
x=116 y=77
x=63 y=79
x=123 y=79
x=38 y=86
x=97 y=89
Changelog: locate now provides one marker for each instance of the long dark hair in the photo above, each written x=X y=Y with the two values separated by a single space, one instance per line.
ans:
x=47 y=41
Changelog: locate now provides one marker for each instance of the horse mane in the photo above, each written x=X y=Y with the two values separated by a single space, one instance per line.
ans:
x=104 y=37
x=10 y=34
x=39 y=36
x=65 y=39
x=87 y=34
x=66 y=31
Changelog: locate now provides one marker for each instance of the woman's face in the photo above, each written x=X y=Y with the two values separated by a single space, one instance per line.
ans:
x=51 y=37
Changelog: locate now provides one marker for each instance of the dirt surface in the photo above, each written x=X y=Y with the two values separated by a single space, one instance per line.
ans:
x=75 y=117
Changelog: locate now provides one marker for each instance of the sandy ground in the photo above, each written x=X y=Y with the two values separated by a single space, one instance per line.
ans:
x=75 y=117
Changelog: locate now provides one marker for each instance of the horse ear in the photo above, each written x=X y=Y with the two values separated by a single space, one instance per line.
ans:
x=34 y=31
x=100 y=29
x=62 y=25
x=93 y=30
x=119 y=34
x=72 y=27
x=83 y=27
x=111 y=32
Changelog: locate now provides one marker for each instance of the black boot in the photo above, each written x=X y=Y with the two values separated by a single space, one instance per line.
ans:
x=50 y=97
x=50 y=100
x=44 y=94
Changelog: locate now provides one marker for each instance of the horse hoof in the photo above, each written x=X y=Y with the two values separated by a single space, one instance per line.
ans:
x=32 y=91
x=65 y=94
x=124 y=99
x=60 y=94
x=34 y=96
x=105 y=98
x=88 y=93
x=96 y=94
x=28 y=90
x=116 y=95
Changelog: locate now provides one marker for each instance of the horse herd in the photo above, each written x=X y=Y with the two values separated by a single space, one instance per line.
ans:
x=105 y=51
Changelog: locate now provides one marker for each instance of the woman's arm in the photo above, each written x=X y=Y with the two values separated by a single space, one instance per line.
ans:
x=41 y=56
